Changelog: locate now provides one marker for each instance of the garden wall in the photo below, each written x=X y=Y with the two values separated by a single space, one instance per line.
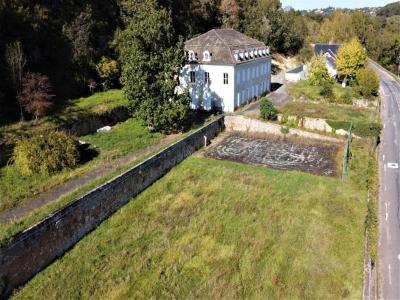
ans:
x=32 y=250
x=244 y=124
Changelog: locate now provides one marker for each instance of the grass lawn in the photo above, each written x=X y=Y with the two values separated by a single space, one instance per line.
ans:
x=331 y=112
x=125 y=137
x=303 y=88
x=96 y=104
x=217 y=229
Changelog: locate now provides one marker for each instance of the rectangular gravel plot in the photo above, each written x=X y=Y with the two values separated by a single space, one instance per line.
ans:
x=312 y=157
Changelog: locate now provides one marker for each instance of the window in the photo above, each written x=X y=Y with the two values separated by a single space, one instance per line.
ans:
x=207 y=56
x=225 y=78
x=192 y=76
x=207 y=77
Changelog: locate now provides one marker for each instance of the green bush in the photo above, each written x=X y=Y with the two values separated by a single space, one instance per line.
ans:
x=268 y=110
x=327 y=90
x=46 y=154
x=368 y=82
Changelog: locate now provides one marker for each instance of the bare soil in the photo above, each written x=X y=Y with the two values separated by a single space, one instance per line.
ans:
x=278 y=153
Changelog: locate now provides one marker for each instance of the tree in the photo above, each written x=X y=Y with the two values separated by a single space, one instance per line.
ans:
x=368 y=82
x=229 y=11
x=318 y=73
x=16 y=62
x=151 y=56
x=36 y=97
x=108 y=71
x=338 y=28
x=351 y=57
x=284 y=31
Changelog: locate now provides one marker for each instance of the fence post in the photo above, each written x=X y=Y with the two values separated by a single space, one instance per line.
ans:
x=347 y=152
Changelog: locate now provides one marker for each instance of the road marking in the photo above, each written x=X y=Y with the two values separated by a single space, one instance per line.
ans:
x=390 y=274
x=394 y=124
x=384 y=126
x=398 y=257
x=383 y=157
x=387 y=213
x=393 y=165
x=385 y=187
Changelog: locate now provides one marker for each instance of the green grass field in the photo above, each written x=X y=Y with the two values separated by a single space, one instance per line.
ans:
x=216 y=229
x=125 y=137
x=331 y=112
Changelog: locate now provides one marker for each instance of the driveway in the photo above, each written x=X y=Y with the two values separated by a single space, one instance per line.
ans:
x=279 y=96
x=389 y=191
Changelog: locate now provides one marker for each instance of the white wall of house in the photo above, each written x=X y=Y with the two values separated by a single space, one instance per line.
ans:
x=252 y=79
x=244 y=82
x=214 y=93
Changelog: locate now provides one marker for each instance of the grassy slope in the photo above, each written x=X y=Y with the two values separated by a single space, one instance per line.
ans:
x=330 y=111
x=96 y=104
x=123 y=138
x=212 y=229
x=303 y=88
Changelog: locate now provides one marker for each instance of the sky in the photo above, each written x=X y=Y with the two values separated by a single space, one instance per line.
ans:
x=310 y=4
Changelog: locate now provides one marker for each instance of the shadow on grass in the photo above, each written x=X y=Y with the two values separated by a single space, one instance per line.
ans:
x=87 y=153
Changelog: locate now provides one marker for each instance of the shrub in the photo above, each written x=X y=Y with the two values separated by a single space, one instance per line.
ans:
x=327 y=90
x=46 y=154
x=268 y=110
x=318 y=71
x=368 y=82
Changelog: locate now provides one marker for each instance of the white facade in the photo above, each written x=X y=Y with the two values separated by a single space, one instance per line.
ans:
x=296 y=74
x=226 y=87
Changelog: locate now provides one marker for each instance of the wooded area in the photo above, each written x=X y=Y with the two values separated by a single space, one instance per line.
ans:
x=84 y=46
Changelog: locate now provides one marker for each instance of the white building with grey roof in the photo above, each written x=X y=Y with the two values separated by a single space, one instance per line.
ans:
x=329 y=52
x=225 y=69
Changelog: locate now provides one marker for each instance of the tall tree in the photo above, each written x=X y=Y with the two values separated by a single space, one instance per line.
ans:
x=36 y=95
x=16 y=62
x=351 y=58
x=229 y=11
x=338 y=28
x=151 y=56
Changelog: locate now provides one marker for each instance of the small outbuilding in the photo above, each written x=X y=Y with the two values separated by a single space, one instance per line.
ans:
x=296 y=74
x=329 y=51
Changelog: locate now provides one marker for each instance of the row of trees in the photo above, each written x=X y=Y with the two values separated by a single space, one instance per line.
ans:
x=84 y=45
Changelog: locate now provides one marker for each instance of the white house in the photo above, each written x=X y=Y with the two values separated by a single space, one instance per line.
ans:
x=329 y=51
x=297 y=74
x=225 y=69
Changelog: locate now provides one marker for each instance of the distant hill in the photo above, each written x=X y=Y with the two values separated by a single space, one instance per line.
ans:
x=392 y=9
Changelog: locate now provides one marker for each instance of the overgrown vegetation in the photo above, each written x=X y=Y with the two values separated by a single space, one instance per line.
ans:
x=268 y=110
x=126 y=137
x=190 y=228
x=46 y=154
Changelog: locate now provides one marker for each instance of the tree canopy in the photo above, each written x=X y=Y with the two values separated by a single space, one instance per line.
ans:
x=351 y=58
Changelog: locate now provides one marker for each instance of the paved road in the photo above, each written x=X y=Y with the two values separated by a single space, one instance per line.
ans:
x=389 y=215
x=279 y=97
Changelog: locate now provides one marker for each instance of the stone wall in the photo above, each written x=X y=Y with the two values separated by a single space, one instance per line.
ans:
x=32 y=250
x=243 y=124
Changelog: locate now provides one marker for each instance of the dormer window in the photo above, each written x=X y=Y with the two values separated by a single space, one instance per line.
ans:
x=192 y=56
x=206 y=56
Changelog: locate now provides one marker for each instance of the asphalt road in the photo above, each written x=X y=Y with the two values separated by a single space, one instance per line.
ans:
x=389 y=203
x=279 y=96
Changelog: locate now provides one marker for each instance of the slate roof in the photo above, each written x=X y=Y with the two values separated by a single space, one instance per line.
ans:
x=331 y=62
x=222 y=44
x=326 y=48
x=296 y=70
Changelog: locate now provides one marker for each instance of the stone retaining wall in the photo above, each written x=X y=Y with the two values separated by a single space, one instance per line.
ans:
x=32 y=250
x=244 y=124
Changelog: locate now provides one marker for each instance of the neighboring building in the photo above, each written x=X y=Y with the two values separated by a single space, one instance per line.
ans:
x=297 y=74
x=225 y=69
x=329 y=51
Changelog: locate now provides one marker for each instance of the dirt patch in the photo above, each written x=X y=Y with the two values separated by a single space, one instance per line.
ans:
x=278 y=153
